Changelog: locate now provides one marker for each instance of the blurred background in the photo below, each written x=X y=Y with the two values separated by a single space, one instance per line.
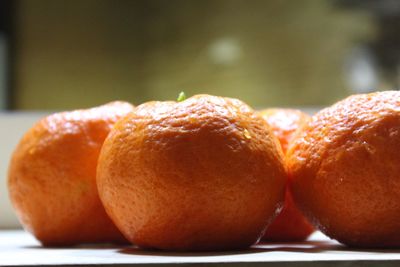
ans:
x=58 y=55
x=71 y=54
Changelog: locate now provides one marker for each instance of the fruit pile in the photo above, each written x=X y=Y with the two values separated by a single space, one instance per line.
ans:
x=209 y=173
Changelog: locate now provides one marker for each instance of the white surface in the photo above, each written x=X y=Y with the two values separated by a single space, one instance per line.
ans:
x=13 y=126
x=18 y=248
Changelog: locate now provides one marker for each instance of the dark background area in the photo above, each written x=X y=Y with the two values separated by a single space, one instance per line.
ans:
x=76 y=54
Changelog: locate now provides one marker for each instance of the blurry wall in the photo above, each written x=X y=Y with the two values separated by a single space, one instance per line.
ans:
x=3 y=72
x=71 y=54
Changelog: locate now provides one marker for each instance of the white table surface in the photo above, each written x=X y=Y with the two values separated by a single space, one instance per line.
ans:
x=18 y=248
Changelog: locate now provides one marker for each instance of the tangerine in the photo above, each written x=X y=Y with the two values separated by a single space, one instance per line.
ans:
x=205 y=173
x=290 y=224
x=345 y=170
x=52 y=177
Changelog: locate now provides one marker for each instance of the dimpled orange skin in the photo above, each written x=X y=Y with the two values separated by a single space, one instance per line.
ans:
x=199 y=175
x=52 y=177
x=290 y=224
x=345 y=170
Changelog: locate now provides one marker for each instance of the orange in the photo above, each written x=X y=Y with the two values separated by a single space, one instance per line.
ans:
x=345 y=170
x=202 y=174
x=290 y=224
x=52 y=177
x=284 y=123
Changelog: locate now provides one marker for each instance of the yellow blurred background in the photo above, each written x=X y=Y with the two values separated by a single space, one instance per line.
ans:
x=76 y=54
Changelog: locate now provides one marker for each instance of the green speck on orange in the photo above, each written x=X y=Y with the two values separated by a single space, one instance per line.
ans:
x=181 y=97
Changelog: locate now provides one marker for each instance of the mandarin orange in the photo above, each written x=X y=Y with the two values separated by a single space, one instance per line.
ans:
x=202 y=174
x=290 y=224
x=345 y=170
x=52 y=177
